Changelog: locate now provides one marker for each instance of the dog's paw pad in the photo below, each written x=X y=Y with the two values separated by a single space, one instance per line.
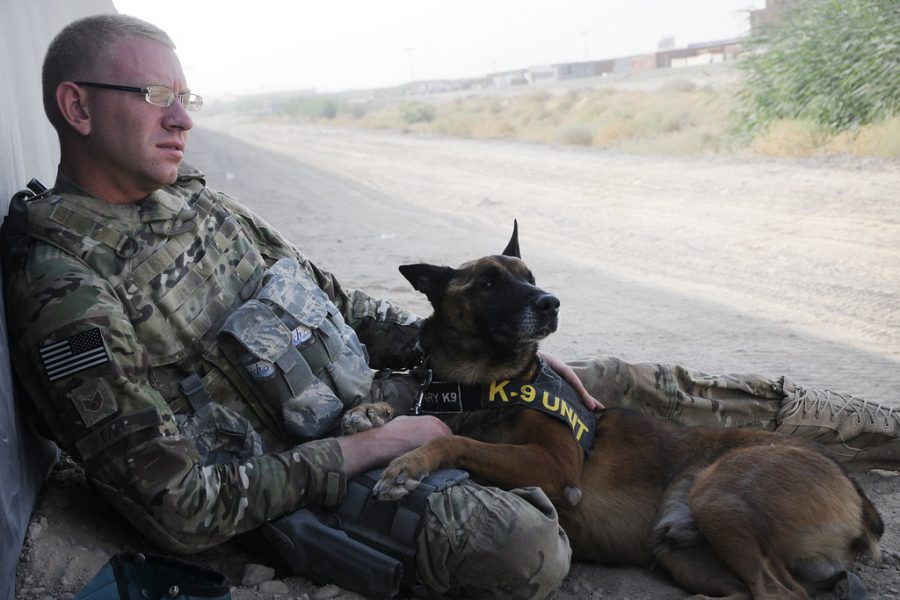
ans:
x=365 y=417
x=354 y=424
x=572 y=494
x=394 y=488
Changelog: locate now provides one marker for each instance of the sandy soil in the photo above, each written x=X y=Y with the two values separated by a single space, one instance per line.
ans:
x=723 y=264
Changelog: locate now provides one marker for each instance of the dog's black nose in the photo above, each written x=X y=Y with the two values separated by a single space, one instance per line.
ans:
x=547 y=303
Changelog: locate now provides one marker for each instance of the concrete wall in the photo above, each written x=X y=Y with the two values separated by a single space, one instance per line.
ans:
x=28 y=148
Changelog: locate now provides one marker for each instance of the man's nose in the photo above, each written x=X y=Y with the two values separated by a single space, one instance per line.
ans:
x=177 y=116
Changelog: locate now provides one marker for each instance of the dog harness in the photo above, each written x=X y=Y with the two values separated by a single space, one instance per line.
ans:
x=547 y=392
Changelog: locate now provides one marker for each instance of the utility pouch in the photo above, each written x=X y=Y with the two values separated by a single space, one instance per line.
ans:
x=220 y=434
x=291 y=344
x=133 y=576
x=365 y=545
x=328 y=555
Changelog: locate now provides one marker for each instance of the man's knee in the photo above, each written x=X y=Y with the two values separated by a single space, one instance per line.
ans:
x=482 y=542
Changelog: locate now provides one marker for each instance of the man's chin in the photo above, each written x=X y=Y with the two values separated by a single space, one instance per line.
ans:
x=171 y=174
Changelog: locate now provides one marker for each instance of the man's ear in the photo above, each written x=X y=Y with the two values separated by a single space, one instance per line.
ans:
x=431 y=280
x=72 y=102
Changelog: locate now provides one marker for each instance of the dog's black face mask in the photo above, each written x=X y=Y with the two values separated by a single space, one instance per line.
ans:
x=493 y=298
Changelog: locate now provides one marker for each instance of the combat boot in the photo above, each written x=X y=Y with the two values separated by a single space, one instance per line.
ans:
x=849 y=428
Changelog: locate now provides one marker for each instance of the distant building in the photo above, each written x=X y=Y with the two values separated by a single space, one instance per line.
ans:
x=573 y=70
x=704 y=53
x=543 y=73
x=509 y=78
x=634 y=64
x=771 y=15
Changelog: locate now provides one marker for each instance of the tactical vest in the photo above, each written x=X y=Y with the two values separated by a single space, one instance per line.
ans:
x=179 y=265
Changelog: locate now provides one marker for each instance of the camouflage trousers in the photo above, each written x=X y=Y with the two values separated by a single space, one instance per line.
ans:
x=847 y=427
x=483 y=542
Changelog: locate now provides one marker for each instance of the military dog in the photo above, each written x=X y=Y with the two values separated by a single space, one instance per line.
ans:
x=732 y=513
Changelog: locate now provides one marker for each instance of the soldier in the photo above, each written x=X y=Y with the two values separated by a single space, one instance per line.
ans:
x=128 y=317
x=143 y=322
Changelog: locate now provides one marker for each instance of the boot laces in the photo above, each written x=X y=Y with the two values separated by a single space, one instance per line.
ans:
x=835 y=404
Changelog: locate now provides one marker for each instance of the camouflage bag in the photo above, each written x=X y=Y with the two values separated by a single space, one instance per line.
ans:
x=291 y=344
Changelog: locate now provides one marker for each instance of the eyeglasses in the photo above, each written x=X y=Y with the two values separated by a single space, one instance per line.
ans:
x=157 y=95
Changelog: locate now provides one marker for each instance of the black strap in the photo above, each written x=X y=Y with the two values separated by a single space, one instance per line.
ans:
x=14 y=234
x=192 y=387
x=547 y=393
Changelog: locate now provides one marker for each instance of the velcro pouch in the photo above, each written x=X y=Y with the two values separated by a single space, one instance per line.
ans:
x=292 y=346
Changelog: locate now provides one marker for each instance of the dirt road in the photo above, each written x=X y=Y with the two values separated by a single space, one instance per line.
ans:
x=742 y=265
x=781 y=267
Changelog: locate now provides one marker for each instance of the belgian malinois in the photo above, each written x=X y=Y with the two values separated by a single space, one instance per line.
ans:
x=734 y=513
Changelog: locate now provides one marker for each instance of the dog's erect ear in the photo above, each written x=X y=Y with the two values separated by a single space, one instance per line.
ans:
x=512 y=248
x=431 y=280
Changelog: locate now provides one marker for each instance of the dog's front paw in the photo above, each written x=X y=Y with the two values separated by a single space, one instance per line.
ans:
x=572 y=494
x=366 y=416
x=399 y=478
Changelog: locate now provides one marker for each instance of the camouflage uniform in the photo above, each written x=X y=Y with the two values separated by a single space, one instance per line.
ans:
x=113 y=317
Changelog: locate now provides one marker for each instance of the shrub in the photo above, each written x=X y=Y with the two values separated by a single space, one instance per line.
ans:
x=832 y=62
x=311 y=107
x=417 y=112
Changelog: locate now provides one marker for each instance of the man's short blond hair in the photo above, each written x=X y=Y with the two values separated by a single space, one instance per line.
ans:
x=83 y=47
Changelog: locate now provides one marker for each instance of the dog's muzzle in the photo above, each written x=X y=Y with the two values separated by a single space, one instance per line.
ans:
x=541 y=318
x=547 y=304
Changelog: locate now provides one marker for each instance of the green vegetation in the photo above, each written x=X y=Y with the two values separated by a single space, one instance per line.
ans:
x=417 y=112
x=834 y=64
x=314 y=107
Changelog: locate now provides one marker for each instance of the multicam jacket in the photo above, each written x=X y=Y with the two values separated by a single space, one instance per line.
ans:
x=116 y=307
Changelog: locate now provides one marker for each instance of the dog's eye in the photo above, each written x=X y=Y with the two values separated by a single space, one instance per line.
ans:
x=487 y=283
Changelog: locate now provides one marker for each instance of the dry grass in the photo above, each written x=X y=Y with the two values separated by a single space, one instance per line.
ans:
x=788 y=138
x=678 y=118
x=876 y=139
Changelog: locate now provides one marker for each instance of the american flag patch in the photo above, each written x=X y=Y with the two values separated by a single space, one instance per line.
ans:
x=77 y=353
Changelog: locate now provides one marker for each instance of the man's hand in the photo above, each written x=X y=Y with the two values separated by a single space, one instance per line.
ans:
x=566 y=372
x=378 y=446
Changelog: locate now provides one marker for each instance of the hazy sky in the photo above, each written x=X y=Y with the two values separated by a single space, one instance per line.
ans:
x=329 y=45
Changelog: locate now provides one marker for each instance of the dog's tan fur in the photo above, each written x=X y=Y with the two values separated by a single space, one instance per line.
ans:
x=731 y=513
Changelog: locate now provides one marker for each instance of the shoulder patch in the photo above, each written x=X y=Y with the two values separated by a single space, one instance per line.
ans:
x=94 y=401
x=74 y=354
